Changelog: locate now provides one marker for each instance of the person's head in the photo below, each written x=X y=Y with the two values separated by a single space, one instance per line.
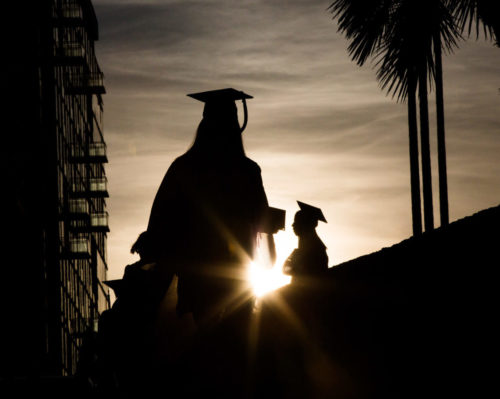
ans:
x=306 y=219
x=219 y=131
x=303 y=223
x=142 y=246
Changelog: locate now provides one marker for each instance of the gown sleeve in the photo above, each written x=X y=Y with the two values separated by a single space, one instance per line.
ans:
x=262 y=207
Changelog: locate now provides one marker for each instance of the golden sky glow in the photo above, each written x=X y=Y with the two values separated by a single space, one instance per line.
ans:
x=319 y=126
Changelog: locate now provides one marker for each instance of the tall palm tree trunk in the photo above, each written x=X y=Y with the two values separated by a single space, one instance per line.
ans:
x=441 y=144
x=426 y=152
x=416 y=209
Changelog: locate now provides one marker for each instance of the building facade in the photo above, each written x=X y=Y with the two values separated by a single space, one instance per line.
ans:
x=54 y=158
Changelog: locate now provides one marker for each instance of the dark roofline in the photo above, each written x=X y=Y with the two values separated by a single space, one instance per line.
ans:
x=479 y=220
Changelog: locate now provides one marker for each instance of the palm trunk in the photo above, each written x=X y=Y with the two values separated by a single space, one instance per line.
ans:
x=426 y=152
x=441 y=144
x=416 y=209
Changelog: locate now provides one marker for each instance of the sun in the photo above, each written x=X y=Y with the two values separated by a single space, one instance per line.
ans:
x=265 y=278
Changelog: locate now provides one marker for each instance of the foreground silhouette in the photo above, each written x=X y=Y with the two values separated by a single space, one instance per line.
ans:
x=207 y=213
x=118 y=360
x=203 y=229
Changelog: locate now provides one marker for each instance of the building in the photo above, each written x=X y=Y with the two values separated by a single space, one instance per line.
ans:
x=55 y=199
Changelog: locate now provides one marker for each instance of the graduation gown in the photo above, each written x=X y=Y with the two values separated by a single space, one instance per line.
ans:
x=204 y=223
x=309 y=259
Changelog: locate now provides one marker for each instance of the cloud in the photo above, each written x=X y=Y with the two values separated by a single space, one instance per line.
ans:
x=320 y=127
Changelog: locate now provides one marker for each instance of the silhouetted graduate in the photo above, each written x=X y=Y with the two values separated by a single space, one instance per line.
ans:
x=208 y=211
x=310 y=258
x=126 y=331
x=142 y=287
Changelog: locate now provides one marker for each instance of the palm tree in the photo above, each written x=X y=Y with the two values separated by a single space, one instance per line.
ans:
x=443 y=178
x=479 y=13
x=464 y=13
x=366 y=25
x=445 y=34
x=405 y=51
x=402 y=35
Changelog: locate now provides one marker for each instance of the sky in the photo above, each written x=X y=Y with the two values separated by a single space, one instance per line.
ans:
x=320 y=127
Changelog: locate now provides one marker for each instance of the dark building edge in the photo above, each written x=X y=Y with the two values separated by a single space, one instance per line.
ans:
x=53 y=158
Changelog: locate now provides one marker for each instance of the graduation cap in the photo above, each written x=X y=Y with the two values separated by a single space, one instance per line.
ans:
x=115 y=285
x=274 y=221
x=311 y=212
x=222 y=103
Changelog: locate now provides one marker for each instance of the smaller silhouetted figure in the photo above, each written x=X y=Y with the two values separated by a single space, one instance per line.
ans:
x=143 y=285
x=288 y=352
x=126 y=331
x=310 y=258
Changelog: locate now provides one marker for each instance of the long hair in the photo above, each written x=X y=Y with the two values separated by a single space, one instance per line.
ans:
x=218 y=135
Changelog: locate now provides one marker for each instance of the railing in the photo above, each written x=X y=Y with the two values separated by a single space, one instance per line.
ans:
x=95 y=153
x=76 y=13
x=99 y=185
x=96 y=79
x=95 y=222
x=79 y=206
x=96 y=187
x=97 y=150
x=79 y=247
x=89 y=83
x=99 y=221
x=68 y=51
x=71 y=10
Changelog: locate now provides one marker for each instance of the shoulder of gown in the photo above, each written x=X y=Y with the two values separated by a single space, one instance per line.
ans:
x=254 y=166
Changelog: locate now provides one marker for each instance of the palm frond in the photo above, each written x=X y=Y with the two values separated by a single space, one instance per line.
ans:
x=399 y=35
x=363 y=22
x=477 y=13
x=407 y=46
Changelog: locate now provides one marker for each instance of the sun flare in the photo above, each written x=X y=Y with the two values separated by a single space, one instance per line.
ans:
x=264 y=277
x=265 y=280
